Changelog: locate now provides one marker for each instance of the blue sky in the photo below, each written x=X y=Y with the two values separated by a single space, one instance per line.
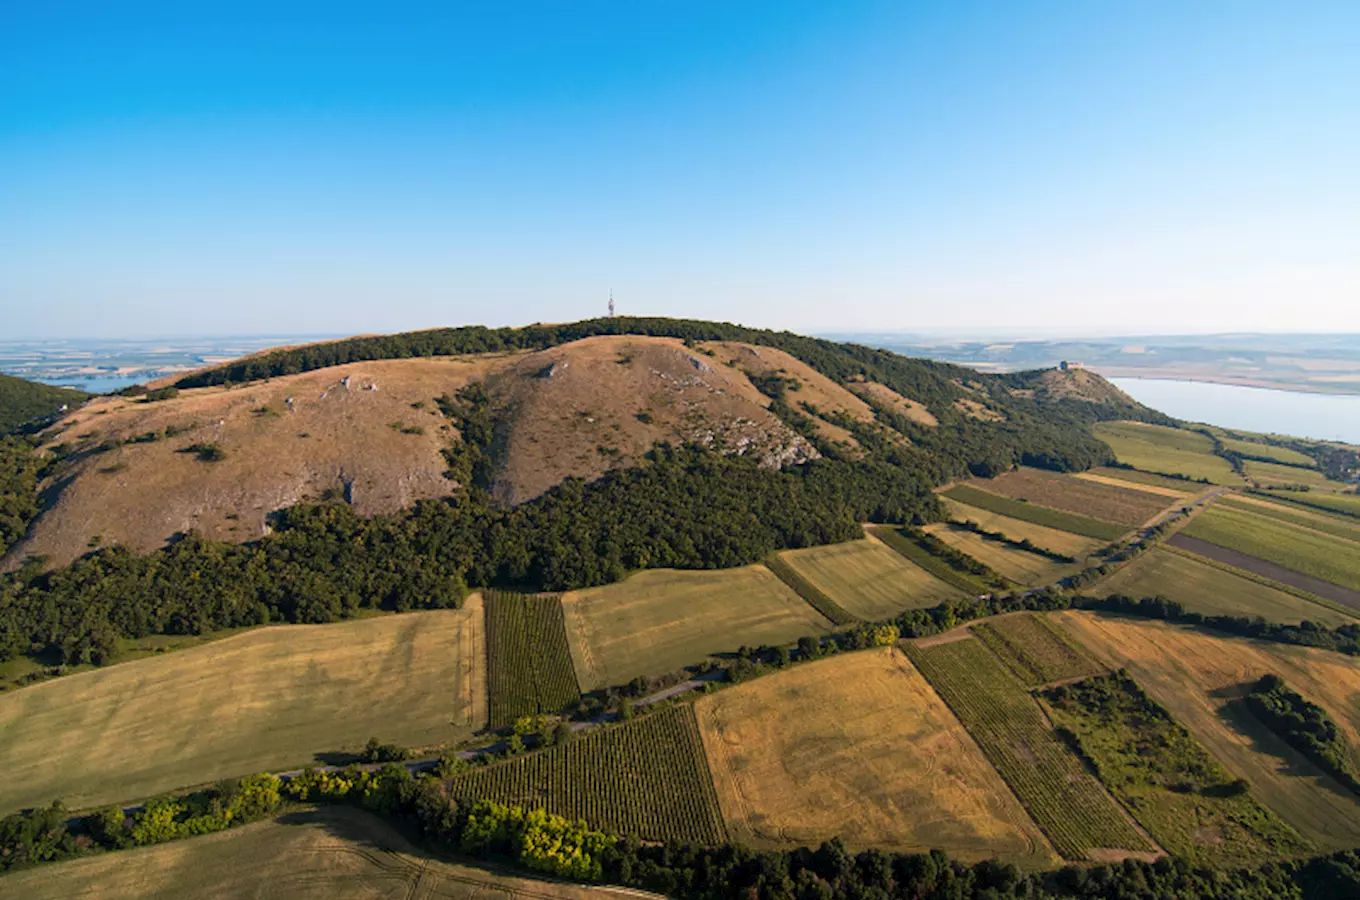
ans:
x=1045 y=167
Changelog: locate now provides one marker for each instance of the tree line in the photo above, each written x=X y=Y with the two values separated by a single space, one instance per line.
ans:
x=537 y=840
x=683 y=508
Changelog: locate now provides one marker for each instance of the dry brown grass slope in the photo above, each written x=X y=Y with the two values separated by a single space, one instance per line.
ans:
x=372 y=431
x=595 y=404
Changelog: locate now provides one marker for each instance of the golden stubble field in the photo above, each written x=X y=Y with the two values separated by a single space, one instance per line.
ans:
x=1024 y=568
x=1196 y=676
x=662 y=620
x=869 y=579
x=268 y=699
x=1126 y=505
x=328 y=853
x=859 y=746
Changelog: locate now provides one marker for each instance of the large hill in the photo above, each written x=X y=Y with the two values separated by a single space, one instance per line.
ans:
x=367 y=420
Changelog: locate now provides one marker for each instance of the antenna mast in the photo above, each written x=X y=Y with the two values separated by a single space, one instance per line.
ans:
x=611 y=303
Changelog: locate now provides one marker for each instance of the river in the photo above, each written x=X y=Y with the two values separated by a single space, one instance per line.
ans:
x=1334 y=417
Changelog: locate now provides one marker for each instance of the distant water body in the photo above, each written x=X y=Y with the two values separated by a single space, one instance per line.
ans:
x=1330 y=417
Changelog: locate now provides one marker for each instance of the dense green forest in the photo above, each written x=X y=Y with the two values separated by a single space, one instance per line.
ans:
x=23 y=401
x=684 y=508
x=19 y=475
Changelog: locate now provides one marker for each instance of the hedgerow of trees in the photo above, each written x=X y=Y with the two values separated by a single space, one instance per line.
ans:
x=537 y=840
x=1305 y=726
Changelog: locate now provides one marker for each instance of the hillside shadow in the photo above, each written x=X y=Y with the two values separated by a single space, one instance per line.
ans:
x=1234 y=713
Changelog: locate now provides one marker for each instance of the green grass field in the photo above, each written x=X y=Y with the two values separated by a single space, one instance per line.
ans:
x=529 y=666
x=1268 y=475
x=1345 y=505
x=328 y=853
x=868 y=579
x=1213 y=591
x=1039 y=515
x=662 y=620
x=1020 y=566
x=1156 y=448
x=648 y=778
x=1035 y=651
x=1267 y=451
x=1068 y=804
x=269 y=699
x=893 y=538
x=1173 y=787
x=1319 y=555
x=1296 y=515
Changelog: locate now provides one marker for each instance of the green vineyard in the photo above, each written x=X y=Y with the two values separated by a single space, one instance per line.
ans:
x=1049 y=779
x=648 y=778
x=814 y=595
x=1035 y=650
x=529 y=668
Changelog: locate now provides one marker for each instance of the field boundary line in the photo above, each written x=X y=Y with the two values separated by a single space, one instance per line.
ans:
x=1350 y=611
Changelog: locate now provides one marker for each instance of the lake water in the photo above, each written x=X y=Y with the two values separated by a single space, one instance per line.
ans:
x=1323 y=416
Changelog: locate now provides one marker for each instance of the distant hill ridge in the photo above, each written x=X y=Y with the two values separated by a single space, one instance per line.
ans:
x=368 y=420
x=23 y=401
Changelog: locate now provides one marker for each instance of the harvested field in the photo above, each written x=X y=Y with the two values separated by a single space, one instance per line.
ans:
x=662 y=620
x=1039 y=515
x=1020 y=566
x=529 y=667
x=859 y=746
x=1307 y=552
x=272 y=698
x=817 y=598
x=1066 y=801
x=1126 y=506
x=1148 y=487
x=648 y=778
x=1297 y=515
x=1269 y=570
x=868 y=579
x=1034 y=650
x=1196 y=675
x=1156 y=448
x=893 y=538
x=1212 y=591
x=1143 y=480
x=1074 y=545
x=1268 y=475
x=327 y=853
x=1173 y=787
x=1347 y=505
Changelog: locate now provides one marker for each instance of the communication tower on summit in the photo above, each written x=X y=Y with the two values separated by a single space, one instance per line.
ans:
x=611 y=303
